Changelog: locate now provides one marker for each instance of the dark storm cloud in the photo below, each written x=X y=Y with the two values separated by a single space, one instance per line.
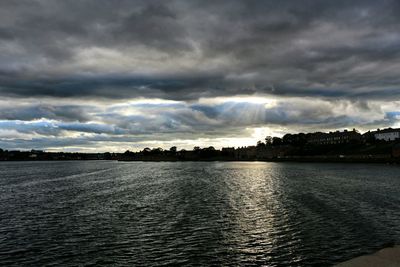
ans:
x=110 y=86
x=34 y=112
x=155 y=25
x=320 y=48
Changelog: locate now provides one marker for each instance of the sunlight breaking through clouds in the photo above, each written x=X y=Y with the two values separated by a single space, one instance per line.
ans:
x=137 y=123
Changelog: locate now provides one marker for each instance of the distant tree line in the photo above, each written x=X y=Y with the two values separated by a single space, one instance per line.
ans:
x=13 y=155
x=350 y=144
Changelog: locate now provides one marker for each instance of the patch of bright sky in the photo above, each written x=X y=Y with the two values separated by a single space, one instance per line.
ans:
x=267 y=101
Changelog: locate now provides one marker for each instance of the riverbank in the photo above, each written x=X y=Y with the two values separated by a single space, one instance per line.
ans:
x=384 y=160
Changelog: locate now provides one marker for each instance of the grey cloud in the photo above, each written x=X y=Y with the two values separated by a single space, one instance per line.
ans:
x=34 y=112
x=154 y=25
x=118 y=86
x=41 y=127
x=302 y=48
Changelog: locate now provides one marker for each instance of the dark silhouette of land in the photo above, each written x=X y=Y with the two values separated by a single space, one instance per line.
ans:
x=339 y=146
x=16 y=155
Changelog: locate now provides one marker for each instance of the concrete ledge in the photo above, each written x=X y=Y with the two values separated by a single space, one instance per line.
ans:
x=387 y=257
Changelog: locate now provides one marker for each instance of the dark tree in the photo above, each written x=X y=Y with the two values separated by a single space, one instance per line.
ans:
x=157 y=150
x=276 y=141
x=268 y=140
x=260 y=144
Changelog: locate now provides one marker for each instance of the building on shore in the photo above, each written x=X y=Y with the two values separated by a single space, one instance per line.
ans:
x=334 y=138
x=388 y=134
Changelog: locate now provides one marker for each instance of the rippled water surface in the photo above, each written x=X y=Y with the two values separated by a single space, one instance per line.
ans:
x=198 y=213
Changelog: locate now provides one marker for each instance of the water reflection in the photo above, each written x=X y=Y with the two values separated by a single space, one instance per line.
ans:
x=260 y=233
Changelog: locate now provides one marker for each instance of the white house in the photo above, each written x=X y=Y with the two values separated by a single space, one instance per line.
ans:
x=388 y=134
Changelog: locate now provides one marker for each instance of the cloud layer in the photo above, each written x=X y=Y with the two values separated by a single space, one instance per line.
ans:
x=107 y=74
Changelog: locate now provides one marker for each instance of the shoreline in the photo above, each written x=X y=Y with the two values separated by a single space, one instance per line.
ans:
x=347 y=160
x=305 y=160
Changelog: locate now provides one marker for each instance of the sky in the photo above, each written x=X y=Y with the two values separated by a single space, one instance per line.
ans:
x=113 y=75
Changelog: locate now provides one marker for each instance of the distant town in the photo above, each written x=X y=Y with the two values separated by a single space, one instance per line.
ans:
x=381 y=145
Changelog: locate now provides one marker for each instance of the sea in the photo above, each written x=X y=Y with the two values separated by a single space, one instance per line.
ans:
x=109 y=213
